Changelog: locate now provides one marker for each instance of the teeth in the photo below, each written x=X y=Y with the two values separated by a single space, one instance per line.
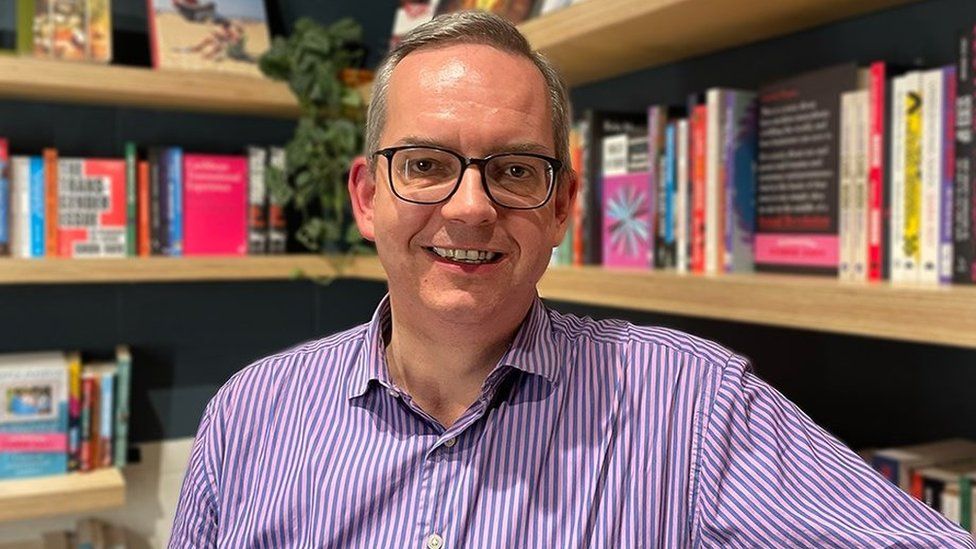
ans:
x=466 y=256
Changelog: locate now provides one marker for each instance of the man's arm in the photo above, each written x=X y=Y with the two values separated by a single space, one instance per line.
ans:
x=195 y=524
x=769 y=477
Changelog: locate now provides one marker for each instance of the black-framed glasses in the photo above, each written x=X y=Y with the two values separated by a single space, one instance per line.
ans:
x=431 y=175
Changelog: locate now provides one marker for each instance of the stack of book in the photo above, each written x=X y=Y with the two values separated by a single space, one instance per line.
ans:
x=58 y=414
x=171 y=204
x=865 y=173
x=941 y=474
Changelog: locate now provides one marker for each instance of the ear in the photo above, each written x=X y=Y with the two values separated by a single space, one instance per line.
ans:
x=564 y=203
x=362 y=192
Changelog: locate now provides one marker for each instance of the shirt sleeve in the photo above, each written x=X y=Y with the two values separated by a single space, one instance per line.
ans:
x=195 y=523
x=768 y=476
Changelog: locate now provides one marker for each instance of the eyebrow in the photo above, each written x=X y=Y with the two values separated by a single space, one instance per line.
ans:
x=517 y=147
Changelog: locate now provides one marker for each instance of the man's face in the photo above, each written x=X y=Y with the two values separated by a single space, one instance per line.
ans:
x=477 y=101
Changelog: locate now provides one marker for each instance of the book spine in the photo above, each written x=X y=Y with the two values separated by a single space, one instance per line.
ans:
x=131 y=183
x=912 y=201
x=106 y=419
x=43 y=27
x=19 y=205
x=143 y=229
x=38 y=207
x=50 y=202
x=25 y=27
x=95 y=424
x=964 y=244
x=845 y=218
x=656 y=144
x=277 y=226
x=156 y=205
x=670 y=169
x=931 y=176
x=87 y=403
x=862 y=136
x=876 y=170
x=682 y=195
x=74 y=412
x=5 y=198
x=153 y=34
x=948 y=155
x=123 y=382
x=699 y=154
x=577 y=224
x=896 y=226
x=174 y=191
x=257 y=223
x=713 y=179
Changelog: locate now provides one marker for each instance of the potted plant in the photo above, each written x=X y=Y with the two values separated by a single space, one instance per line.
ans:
x=319 y=64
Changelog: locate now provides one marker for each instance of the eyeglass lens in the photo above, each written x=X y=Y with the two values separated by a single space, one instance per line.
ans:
x=430 y=175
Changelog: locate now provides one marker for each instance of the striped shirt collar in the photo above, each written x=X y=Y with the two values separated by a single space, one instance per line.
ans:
x=532 y=351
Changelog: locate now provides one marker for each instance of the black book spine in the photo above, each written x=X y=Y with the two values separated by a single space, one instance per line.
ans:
x=963 y=239
x=157 y=214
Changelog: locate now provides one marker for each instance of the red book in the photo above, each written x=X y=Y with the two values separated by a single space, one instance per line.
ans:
x=142 y=214
x=88 y=393
x=214 y=204
x=92 y=207
x=50 y=202
x=698 y=152
x=876 y=143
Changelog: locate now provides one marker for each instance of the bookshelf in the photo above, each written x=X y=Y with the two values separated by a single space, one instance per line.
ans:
x=42 y=79
x=938 y=315
x=594 y=40
x=61 y=494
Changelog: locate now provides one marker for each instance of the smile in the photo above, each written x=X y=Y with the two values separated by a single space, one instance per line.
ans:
x=470 y=257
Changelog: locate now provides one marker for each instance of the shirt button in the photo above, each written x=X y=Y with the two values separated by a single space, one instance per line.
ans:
x=393 y=393
x=435 y=542
x=450 y=442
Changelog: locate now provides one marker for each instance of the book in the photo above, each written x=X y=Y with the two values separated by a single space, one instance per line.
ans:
x=158 y=200
x=930 y=160
x=27 y=191
x=595 y=125
x=131 y=198
x=171 y=173
x=626 y=214
x=947 y=487
x=123 y=383
x=143 y=248
x=92 y=207
x=657 y=121
x=879 y=124
x=33 y=414
x=682 y=197
x=25 y=27
x=698 y=153
x=215 y=206
x=898 y=464
x=5 y=198
x=89 y=395
x=43 y=28
x=99 y=30
x=739 y=157
x=860 y=186
x=50 y=156
x=103 y=414
x=217 y=35
x=797 y=194
x=70 y=40
x=74 y=411
x=257 y=209
x=964 y=190
x=277 y=223
x=948 y=160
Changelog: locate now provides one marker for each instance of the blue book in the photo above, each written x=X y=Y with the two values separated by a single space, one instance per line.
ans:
x=37 y=193
x=33 y=415
x=670 y=182
x=173 y=159
x=741 y=141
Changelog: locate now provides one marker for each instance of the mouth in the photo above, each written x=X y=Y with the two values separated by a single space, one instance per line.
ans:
x=465 y=256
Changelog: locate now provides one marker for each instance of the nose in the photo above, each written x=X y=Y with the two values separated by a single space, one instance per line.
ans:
x=470 y=204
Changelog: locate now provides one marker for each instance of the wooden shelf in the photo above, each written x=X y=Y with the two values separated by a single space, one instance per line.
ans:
x=41 y=79
x=598 y=39
x=938 y=315
x=61 y=494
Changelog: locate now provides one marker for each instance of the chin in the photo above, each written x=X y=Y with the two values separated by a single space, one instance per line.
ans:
x=461 y=305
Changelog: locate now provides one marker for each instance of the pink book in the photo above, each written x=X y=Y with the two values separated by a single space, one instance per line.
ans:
x=627 y=220
x=214 y=204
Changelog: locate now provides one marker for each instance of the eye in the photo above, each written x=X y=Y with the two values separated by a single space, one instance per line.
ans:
x=516 y=171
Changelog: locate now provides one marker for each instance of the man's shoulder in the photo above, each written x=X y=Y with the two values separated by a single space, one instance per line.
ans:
x=624 y=335
x=319 y=358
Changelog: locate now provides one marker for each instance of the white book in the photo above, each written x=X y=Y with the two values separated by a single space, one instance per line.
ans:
x=614 y=155
x=897 y=179
x=862 y=131
x=20 y=237
x=932 y=144
x=845 y=176
x=714 y=204
x=682 y=212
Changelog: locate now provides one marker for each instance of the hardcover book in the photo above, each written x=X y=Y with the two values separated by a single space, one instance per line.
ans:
x=797 y=195
x=215 y=204
x=627 y=205
x=5 y=199
x=257 y=209
x=964 y=191
x=92 y=207
x=739 y=208
x=213 y=35
x=277 y=223
x=33 y=415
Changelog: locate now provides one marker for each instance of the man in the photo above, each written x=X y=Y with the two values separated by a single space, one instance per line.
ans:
x=466 y=414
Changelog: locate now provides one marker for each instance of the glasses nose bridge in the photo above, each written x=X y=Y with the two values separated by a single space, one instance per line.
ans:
x=479 y=163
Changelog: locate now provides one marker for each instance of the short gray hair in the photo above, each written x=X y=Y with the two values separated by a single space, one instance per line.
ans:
x=469 y=27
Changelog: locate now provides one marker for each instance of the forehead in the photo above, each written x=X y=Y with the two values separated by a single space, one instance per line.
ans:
x=468 y=95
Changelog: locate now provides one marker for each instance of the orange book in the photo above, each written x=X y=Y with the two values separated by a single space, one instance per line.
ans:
x=142 y=216
x=51 y=202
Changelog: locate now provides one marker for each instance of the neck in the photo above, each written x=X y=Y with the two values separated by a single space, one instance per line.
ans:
x=443 y=365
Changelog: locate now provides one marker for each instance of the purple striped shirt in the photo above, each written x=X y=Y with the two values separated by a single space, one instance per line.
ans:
x=587 y=434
